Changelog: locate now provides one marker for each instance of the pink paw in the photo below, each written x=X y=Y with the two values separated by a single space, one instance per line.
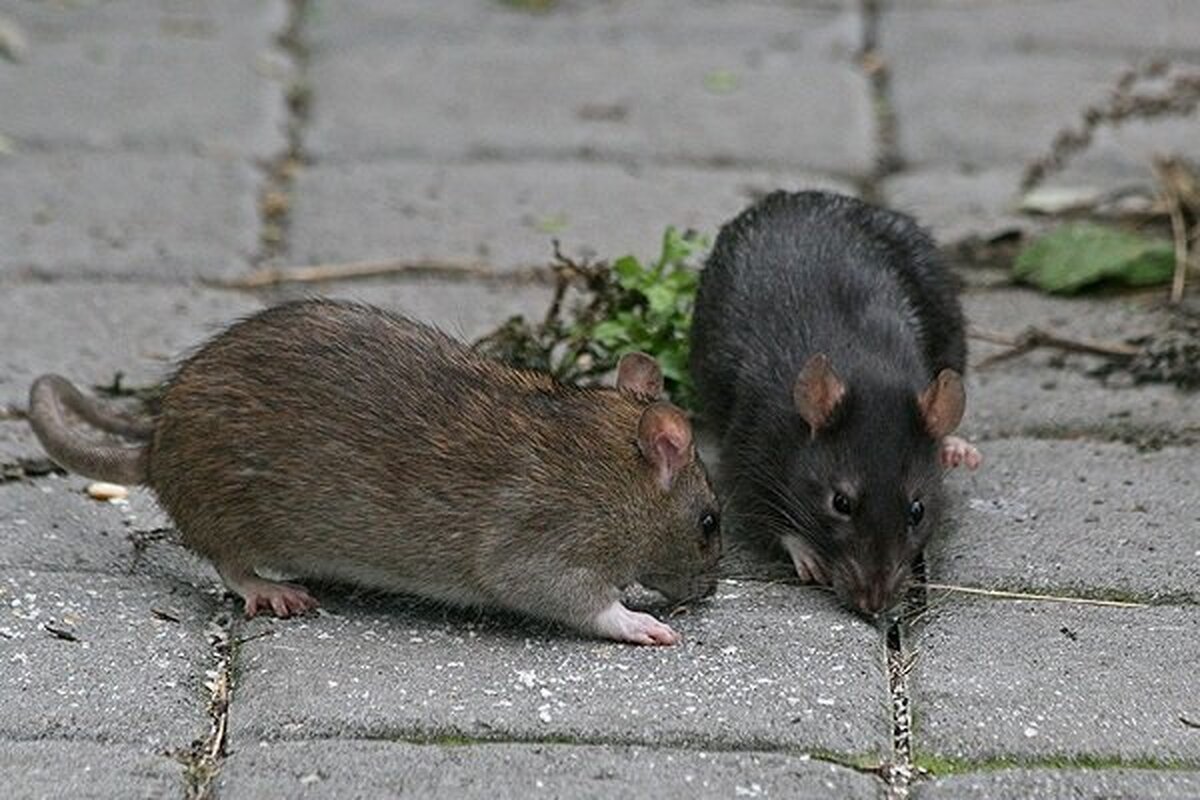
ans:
x=619 y=623
x=957 y=451
x=282 y=599
x=808 y=569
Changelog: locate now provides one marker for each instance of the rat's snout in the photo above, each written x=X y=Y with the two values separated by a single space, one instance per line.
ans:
x=878 y=592
x=872 y=599
x=681 y=588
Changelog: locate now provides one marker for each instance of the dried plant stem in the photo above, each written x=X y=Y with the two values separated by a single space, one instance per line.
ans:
x=1179 y=234
x=1048 y=598
x=1033 y=338
x=1179 y=189
x=319 y=273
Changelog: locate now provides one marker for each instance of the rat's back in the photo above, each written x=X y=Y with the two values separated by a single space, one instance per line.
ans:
x=807 y=272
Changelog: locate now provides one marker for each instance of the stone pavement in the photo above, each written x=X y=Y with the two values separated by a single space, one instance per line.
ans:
x=153 y=150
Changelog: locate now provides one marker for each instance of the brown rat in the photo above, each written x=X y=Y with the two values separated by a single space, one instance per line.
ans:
x=335 y=440
x=828 y=348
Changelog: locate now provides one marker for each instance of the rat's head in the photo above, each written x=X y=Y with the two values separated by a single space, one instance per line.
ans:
x=866 y=486
x=678 y=511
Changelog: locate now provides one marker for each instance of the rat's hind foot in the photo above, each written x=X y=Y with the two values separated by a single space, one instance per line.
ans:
x=284 y=599
x=957 y=451
x=807 y=567
x=618 y=622
x=260 y=594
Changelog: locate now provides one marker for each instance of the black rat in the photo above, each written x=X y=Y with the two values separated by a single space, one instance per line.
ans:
x=828 y=350
x=335 y=440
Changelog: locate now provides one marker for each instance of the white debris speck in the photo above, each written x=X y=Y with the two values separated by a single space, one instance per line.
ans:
x=544 y=713
x=310 y=778
x=753 y=790
x=332 y=684
x=99 y=490
x=527 y=678
x=826 y=701
x=728 y=651
x=1030 y=732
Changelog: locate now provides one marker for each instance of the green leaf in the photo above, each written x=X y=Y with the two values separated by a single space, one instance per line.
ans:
x=660 y=298
x=630 y=272
x=609 y=333
x=1076 y=256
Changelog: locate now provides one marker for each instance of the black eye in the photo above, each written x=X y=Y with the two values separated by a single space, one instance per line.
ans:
x=915 y=512
x=710 y=524
x=841 y=504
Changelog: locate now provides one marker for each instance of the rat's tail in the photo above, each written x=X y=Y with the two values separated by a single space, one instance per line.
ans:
x=50 y=396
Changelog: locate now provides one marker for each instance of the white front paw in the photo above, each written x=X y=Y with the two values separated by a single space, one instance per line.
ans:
x=619 y=623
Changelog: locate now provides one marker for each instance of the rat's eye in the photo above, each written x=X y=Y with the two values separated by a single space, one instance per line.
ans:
x=915 y=512
x=841 y=504
x=710 y=524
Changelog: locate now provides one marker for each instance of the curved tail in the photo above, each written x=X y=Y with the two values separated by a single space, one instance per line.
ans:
x=50 y=396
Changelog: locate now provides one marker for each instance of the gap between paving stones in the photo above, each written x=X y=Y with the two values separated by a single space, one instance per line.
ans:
x=874 y=66
x=203 y=758
x=865 y=764
x=913 y=769
x=275 y=195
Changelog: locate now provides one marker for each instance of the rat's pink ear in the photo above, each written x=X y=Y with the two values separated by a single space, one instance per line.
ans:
x=665 y=439
x=638 y=373
x=817 y=392
x=942 y=403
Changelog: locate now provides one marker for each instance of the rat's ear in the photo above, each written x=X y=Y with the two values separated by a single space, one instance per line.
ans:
x=942 y=403
x=817 y=392
x=638 y=373
x=665 y=440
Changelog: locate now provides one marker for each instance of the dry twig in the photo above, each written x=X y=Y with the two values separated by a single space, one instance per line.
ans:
x=1179 y=187
x=1033 y=338
x=323 y=273
x=1048 y=598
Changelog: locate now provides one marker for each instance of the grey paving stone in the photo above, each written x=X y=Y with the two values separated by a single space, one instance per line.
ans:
x=51 y=524
x=1039 y=65
x=372 y=769
x=20 y=452
x=1019 y=680
x=723 y=88
x=168 y=217
x=1112 y=27
x=1060 y=784
x=666 y=23
x=760 y=667
x=1011 y=310
x=1048 y=393
x=954 y=204
x=1075 y=516
x=1063 y=403
x=466 y=310
x=173 y=75
x=89 y=332
x=506 y=215
x=57 y=768
x=130 y=677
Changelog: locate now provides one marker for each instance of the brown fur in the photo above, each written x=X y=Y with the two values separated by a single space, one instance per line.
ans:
x=335 y=440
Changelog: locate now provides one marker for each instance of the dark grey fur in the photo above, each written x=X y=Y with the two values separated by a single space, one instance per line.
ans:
x=814 y=272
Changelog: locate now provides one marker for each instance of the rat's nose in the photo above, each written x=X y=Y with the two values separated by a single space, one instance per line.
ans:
x=872 y=599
